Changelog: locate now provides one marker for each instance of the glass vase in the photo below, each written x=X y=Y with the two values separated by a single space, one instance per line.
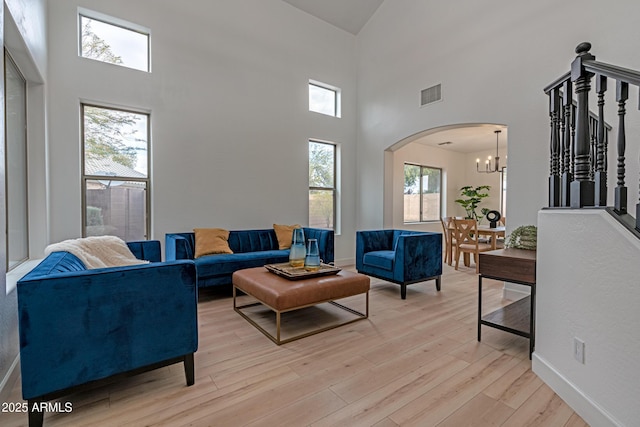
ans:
x=297 y=251
x=312 y=260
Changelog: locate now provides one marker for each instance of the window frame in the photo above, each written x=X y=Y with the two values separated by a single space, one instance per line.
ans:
x=334 y=189
x=115 y=22
x=503 y=191
x=85 y=178
x=420 y=192
x=337 y=100
x=9 y=60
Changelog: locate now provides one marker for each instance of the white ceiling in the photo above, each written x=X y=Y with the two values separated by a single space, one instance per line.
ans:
x=469 y=139
x=350 y=15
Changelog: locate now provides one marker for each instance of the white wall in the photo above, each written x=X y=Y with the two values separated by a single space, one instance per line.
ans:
x=493 y=59
x=30 y=19
x=24 y=37
x=229 y=108
x=587 y=287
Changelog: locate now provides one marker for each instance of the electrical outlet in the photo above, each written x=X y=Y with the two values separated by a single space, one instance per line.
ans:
x=578 y=350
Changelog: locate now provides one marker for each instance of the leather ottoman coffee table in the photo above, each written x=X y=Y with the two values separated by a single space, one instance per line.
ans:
x=282 y=295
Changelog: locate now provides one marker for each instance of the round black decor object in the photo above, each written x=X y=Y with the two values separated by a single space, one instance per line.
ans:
x=493 y=217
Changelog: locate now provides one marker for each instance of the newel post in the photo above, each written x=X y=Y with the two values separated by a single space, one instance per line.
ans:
x=582 y=189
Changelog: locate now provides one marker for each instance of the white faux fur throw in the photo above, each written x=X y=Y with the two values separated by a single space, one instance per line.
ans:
x=97 y=251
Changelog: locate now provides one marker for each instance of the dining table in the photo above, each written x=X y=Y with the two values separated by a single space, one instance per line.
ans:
x=483 y=230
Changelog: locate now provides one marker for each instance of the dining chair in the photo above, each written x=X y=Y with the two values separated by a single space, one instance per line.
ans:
x=447 y=232
x=466 y=236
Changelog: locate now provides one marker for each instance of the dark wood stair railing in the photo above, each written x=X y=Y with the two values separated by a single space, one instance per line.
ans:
x=579 y=139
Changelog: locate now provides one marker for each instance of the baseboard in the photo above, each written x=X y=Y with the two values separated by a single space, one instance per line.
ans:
x=514 y=292
x=346 y=262
x=582 y=404
x=9 y=380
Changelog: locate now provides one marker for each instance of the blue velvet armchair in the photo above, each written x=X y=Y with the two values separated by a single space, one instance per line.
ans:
x=400 y=256
x=81 y=327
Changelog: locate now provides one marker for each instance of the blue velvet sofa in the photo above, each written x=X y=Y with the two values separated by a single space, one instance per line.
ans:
x=400 y=256
x=79 y=328
x=251 y=248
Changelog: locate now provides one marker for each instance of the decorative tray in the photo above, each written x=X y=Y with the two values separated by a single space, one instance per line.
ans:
x=298 y=273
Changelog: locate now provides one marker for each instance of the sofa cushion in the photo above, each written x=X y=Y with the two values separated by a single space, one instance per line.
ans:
x=217 y=265
x=210 y=241
x=380 y=259
x=253 y=240
x=284 y=233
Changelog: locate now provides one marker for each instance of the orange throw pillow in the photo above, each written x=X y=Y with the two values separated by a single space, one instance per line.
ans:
x=284 y=233
x=210 y=241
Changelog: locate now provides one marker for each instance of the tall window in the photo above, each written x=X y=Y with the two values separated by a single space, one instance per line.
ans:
x=322 y=184
x=324 y=99
x=16 y=164
x=115 y=179
x=116 y=42
x=422 y=193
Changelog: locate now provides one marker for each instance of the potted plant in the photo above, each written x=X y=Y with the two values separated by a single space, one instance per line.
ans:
x=471 y=198
x=523 y=237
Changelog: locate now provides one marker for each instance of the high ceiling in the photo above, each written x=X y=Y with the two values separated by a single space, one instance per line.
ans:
x=349 y=15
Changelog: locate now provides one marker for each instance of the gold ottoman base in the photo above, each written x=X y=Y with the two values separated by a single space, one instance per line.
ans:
x=281 y=295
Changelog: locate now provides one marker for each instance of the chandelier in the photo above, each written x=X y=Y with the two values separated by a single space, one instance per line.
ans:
x=490 y=167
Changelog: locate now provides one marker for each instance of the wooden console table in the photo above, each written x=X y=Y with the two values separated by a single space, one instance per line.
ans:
x=515 y=266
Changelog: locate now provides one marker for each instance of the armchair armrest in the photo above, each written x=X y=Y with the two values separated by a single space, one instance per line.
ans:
x=418 y=256
x=325 y=242
x=148 y=250
x=179 y=246
x=80 y=326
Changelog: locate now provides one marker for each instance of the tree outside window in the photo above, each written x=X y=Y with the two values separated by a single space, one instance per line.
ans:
x=115 y=166
x=114 y=44
x=422 y=193
x=322 y=185
x=115 y=173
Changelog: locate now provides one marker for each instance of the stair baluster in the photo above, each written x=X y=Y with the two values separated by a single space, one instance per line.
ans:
x=567 y=139
x=554 y=167
x=601 y=173
x=622 y=94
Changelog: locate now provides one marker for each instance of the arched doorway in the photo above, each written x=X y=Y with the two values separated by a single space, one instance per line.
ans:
x=451 y=154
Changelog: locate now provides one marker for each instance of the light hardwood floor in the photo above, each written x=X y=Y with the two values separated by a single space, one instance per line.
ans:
x=412 y=363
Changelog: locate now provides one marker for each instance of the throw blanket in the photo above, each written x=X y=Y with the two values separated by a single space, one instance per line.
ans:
x=97 y=251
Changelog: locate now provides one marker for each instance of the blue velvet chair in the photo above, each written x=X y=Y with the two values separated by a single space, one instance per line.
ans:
x=400 y=256
x=79 y=328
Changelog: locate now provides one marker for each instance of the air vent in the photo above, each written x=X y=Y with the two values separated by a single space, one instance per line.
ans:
x=430 y=95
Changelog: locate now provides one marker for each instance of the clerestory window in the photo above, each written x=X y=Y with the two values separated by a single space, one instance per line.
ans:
x=113 y=41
